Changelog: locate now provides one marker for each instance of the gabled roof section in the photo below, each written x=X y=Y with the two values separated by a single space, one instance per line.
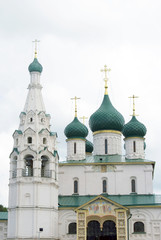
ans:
x=14 y=150
x=100 y=197
x=29 y=150
x=29 y=129
x=17 y=132
x=44 y=129
x=22 y=113
x=56 y=154
x=53 y=134
x=41 y=112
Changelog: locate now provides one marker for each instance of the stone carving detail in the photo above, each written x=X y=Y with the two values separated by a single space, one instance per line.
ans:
x=81 y=225
x=121 y=224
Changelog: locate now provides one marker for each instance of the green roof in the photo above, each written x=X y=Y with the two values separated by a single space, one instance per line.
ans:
x=89 y=147
x=107 y=159
x=106 y=117
x=35 y=66
x=76 y=129
x=75 y=201
x=3 y=215
x=134 y=128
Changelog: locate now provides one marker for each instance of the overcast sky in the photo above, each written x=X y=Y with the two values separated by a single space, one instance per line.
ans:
x=77 y=38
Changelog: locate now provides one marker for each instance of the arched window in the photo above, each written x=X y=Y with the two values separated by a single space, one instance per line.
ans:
x=29 y=139
x=31 y=119
x=133 y=185
x=44 y=141
x=28 y=171
x=106 y=148
x=139 y=227
x=72 y=228
x=134 y=146
x=104 y=186
x=45 y=172
x=76 y=186
x=16 y=141
x=75 y=148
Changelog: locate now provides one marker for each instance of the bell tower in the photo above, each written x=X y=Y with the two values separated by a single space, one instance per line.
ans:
x=33 y=182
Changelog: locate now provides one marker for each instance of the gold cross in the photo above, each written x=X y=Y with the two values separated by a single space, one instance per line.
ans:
x=36 y=41
x=83 y=118
x=106 y=78
x=75 y=98
x=133 y=96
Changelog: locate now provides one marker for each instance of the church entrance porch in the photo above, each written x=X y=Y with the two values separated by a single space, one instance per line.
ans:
x=108 y=231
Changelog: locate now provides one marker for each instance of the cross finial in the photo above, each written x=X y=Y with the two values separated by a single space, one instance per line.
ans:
x=133 y=97
x=106 y=78
x=75 y=98
x=83 y=118
x=36 y=42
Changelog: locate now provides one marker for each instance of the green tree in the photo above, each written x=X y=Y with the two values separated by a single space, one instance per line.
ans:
x=2 y=208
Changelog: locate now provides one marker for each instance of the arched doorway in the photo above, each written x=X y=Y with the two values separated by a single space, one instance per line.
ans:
x=108 y=231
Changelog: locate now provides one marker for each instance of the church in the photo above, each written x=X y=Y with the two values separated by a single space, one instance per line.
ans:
x=100 y=192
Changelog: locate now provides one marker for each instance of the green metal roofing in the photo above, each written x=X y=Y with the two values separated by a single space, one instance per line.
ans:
x=35 y=66
x=107 y=159
x=106 y=117
x=53 y=134
x=3 y=215
x=76 y=129
x=134 y=128
x=74 y=201
x=89 y=147
x=18 y=131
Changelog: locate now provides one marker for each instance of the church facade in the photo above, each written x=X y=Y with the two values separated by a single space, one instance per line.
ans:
x=96 y=193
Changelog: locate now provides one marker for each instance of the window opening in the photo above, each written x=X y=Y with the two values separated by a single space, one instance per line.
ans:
x=72 y=228
x=75 y=148
x=134 y=146
x=31 y=119
x=106 y=146
x=138 y=227
x=28 y=171
x=133 y=186
x=29 y=140
x=44 y=140
x=104 y=186
x=76 y=186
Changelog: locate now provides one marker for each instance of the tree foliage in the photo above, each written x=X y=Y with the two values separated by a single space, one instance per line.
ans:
x=2 y=208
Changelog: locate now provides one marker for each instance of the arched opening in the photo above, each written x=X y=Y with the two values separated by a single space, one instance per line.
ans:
x=106 y=148
x=93 y=230
x=75 y=148
x=45 y=166
x=139 y=227
x=29 y=140
x=44 y=141
x=108 y=231
x=104 y=186
x=134 y=146
x=75 y=186
x=72 y=228
x=133 y=186
x=28 y=171
x=14 y=167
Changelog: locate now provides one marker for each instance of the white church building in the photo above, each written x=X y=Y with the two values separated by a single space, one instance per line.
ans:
x=97 y=193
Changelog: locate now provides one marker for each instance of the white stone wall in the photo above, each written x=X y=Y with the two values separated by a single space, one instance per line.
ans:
x=80 y=149
x=114 y=143
x=65 y=218
x=118 y=178
x=3 y=229
x=151 y=218
x=129 y=148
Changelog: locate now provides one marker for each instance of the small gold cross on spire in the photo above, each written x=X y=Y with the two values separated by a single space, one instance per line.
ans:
x=106 y=78
x=83 y=118
x=133 y=96
x=36 y=42
x=75 y=98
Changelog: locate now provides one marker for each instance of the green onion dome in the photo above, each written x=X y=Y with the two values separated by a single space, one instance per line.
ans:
x=134 y=128
x=76 y=129
x=35 y=66
x=89 y=147
x=106 y=117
